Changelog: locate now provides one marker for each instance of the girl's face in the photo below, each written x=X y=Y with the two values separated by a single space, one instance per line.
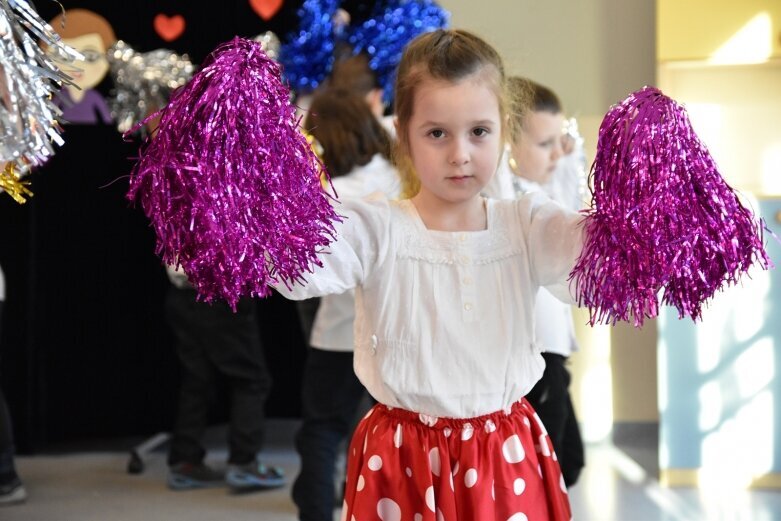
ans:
x=538 y=147
x=454 y=137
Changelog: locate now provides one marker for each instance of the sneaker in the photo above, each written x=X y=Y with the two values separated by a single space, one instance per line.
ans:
x=12 y=493
x=185 y=476
x=254 y=476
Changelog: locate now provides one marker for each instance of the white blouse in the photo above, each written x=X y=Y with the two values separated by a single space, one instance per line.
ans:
x=444 y=320
x=332 y=329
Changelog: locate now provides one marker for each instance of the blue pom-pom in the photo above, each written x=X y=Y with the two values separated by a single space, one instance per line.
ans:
x=308 y=55
x=392 y=25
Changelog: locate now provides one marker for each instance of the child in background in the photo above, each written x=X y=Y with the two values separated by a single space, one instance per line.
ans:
x=537 y=164
x=12 y=490
x=445 y=284
x=212 y=342
x=356 y=153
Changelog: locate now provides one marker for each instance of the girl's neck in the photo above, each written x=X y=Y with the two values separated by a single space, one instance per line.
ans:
x=439 y=215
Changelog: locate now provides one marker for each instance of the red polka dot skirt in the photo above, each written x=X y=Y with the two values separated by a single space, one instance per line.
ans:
x=405 y=466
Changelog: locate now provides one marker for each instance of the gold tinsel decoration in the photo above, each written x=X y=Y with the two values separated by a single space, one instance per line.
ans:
x=12 y=184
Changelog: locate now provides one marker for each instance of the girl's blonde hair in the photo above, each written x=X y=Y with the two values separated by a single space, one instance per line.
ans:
x=445 y=54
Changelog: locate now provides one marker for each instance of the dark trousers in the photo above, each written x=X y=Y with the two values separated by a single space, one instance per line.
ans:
x=550 y=398
x=214 y=342
x=331 y=395
x=7 y=470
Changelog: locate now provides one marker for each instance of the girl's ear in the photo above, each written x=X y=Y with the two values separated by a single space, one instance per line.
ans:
x=396 y=126
x=374 y=99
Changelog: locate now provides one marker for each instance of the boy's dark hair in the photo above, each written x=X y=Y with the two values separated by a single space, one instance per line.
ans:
x=539 y=97
x=529 y=96
x=345 y=127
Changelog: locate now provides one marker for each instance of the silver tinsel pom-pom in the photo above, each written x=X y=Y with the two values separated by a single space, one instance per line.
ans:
x=143 y=82
x=28 y=78
x=269 y=42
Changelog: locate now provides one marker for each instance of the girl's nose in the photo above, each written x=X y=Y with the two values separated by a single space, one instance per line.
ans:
x=459 y=154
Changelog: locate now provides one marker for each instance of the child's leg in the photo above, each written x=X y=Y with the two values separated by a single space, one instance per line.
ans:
x=196 y=390
x=551 y=399
x=331 y=394
x=236 y=350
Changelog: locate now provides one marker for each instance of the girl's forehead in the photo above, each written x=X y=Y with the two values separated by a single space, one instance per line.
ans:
x=473 y=93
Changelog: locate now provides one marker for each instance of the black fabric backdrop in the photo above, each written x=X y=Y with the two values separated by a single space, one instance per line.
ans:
x=86 y=351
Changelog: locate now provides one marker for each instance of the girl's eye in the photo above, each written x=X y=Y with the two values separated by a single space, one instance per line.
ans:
x=436 y=133
x=480 y=132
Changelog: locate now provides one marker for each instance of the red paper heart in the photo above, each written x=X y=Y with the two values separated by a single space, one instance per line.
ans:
x=169 y=28
x=266 y=9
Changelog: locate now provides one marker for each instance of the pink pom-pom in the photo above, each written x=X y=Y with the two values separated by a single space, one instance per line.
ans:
x=662 y=218
x=230 y=185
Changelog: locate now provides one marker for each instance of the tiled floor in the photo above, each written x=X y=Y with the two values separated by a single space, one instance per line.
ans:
x=91 y=483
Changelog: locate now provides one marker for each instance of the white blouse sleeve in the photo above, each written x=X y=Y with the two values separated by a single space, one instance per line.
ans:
x=362 y=242
x=554 y=240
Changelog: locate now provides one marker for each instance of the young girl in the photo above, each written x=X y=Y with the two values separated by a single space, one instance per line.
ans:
x=445 y=284
x=356 y=153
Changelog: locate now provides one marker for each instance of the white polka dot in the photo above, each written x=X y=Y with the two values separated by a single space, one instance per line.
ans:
x=433 y=459
x=409 y=472
x=361 y=483
x=430 y=498
x=519 y=516
x=539 y=469
x=365 y=442
x=368 y=413
x=440 y=517
x=539 y=422
x=493 y=491
x=428 y=420
x=446 y=431
x=467 y=431
x=397 y=437
x=519 y=485
x=455 y=468
x=418 y=517
x=343 y=517
x=375 y=463
x=452 y=485
x=352 y=518
x=544 y=445
x=388 y=510
x=490 y=426
x=526 y=421
x=375 y=429
x=512 y=449
x=470 y=478
x=555 y=458
x=562 y=485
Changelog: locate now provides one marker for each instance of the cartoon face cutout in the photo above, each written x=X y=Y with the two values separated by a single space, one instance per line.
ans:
x=90 y=34
x=88 y=73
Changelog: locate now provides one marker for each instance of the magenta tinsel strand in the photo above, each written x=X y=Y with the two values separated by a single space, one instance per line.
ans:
x=662 y=221
x=230 y=185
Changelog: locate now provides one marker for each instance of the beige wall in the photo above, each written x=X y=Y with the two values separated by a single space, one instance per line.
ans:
x=696 y=29
x=592 y=53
